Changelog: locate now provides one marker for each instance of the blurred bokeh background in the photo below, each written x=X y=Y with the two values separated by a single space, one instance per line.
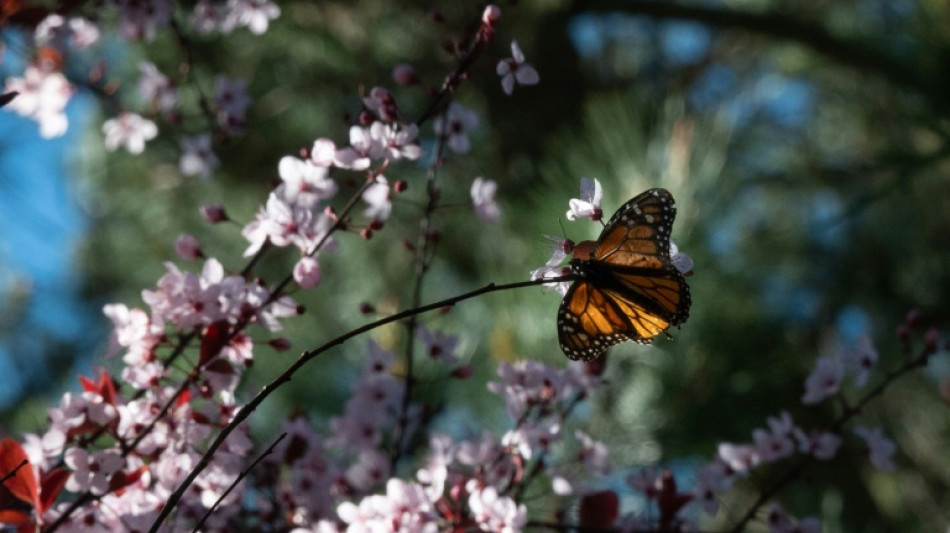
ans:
x=807 y=145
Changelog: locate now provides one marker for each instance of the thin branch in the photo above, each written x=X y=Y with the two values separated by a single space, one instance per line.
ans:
x=11 y=474
x=421 y=267
x=836 y=427
x=240 y=477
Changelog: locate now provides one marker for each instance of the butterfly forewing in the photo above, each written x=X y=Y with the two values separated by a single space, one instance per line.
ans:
x=628 y=290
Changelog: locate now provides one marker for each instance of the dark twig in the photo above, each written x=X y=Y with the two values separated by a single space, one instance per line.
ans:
x=240 y=477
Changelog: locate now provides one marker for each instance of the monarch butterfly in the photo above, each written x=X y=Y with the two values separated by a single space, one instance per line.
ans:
x=625 y=288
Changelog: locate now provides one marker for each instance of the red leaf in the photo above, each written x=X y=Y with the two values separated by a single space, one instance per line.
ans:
x=121 y=479
x=52 y=483
x=599 y=509
x=213 y=338
x=22 y=484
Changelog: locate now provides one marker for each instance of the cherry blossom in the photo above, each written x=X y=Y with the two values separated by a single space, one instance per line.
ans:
x=396 y=141
x=516 y=69
x=282 y=223
x=363 y=148
x=713 y=479
x=307 y=272
x=438 y=345
x=197 y=157
x=483 y=199
x=593 y=453
x=776 y=442
x=382 y=102
x=142 y=20
x=379 y=199
x=305 y=183
x=822 y=445
x=91 y=471
x=43 y=95
x=187 y=247
x=232 y=101
x=588 y=205
x=57 y=31
x=496 y=513
x=255 y=15
x=680 y=261
x=455 y=124
x=129 y=130
x=155 y=88
x=824 y=380
x=552 y=268
x=860 y=360
x=741 y=458
x=880 y=449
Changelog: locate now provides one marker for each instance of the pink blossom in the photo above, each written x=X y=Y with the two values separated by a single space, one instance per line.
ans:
x=371 y=469
x=43 y=95
x=553 y=268
x=255 y=15
x=156 y=89
x=405 y=507
x=483 y=199
x=56 y=31
x=397 y=141
x=713 y=479
x=776 y=442
x=379 y=199
x=438 y=345
x=455 y=124
x=404 y=74
x=496 y=513
x=91 y=472
x=232 y=101
x=133 y=329
x=142 y=20
x=130 y=131
x=880 y=449
x=323 y=153
x=381 y=102
x=214 y=213
x=305 y=183
x=823 y=445
x=824 y=380
x=283 y=223
x=588 y=205
x=860 y=360
x=593 y=453
x=516 y=69
x=307 y=272
x=187 y=247
x=207 y=17
x=680 y=261
x=741 y=458
x=197 y=157
x=363 y=148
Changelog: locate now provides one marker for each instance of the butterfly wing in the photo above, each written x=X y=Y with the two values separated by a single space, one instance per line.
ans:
x=588 y=322
x=628 y=289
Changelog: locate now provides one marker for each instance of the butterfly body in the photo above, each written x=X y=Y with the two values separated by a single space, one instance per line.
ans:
x=626 y=287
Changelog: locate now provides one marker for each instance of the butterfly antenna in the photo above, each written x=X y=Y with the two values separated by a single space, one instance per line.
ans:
x=563 y=231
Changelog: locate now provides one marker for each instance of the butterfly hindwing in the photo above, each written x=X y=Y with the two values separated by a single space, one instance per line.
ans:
x=628 y=289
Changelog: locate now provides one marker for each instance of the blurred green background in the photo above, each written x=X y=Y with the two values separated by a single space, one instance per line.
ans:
x=806 y=144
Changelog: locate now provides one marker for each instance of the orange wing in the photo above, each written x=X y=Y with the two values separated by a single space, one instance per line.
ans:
x=628 y=290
